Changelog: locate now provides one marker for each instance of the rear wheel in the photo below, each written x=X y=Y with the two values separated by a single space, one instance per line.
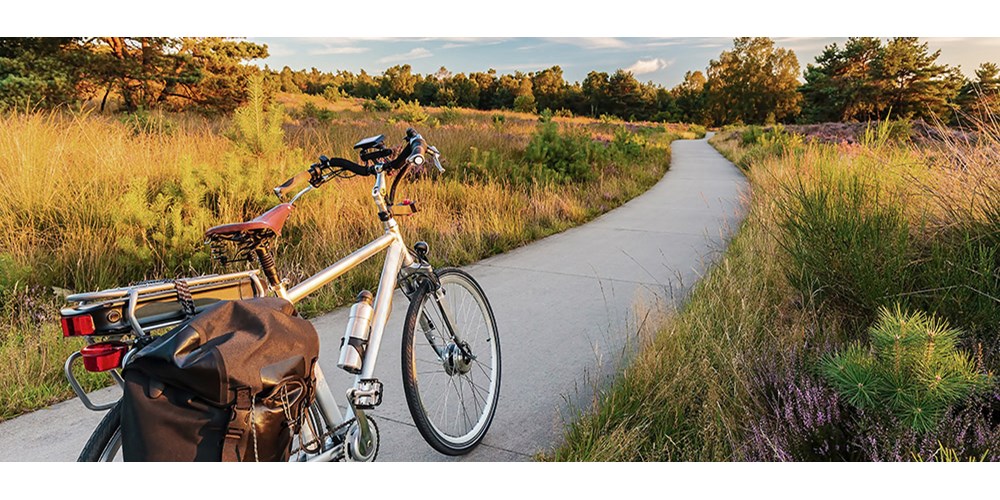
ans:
x=105 y=443
x=451 y=377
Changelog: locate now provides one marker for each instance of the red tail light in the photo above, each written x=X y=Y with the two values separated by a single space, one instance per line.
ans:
x=103 y=356
x=77 y=325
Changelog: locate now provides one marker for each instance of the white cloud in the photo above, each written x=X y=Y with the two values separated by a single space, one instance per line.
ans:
x=593 y=42
x=643 y=66
x=417 y=53
x=328 y=51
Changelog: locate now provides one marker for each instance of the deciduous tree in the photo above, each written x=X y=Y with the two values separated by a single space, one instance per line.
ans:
x=755 y=82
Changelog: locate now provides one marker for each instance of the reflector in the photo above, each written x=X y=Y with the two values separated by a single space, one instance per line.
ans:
x=103 y=356
x=77 y=325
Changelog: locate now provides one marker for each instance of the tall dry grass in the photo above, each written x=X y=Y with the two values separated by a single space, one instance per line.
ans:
x=833 y=233
x=90 y=201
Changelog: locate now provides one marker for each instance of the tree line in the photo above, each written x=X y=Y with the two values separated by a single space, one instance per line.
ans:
x=754 y=82
x=142 y=72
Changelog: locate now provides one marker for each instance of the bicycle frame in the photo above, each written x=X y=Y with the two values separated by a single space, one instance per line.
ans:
x=399 y=263
x=400 y=267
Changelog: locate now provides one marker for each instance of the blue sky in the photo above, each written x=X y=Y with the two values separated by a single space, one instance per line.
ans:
x=660 y=60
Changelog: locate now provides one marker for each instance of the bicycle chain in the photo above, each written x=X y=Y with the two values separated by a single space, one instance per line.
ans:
x=343 y=449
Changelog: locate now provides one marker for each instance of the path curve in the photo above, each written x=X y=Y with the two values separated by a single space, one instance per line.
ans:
x=563 y=307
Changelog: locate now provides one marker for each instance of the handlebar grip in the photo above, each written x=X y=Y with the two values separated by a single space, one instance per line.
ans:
x=418 y=149
x=287 y=185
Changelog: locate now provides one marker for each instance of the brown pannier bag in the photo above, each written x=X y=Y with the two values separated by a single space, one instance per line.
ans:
x=231 y=384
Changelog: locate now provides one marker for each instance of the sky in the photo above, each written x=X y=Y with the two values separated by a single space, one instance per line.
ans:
x=660 y=60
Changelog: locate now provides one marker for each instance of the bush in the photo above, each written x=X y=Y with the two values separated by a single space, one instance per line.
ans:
x=257 y=124
x=524 y=103
x=310 y=110
x=378 y=104
x=627 y=145
x=913 y=369
x=410 y=112
x=499 y=121
x=564 y=156
x=333 y=94
x=564 y=113
x=449 y=115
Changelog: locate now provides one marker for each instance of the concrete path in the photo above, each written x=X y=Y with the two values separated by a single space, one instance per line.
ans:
x=564 y=308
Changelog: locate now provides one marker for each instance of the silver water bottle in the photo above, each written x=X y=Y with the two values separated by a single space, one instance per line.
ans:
x=352 y=346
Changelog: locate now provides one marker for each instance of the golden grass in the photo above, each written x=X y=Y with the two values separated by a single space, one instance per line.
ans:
x=90 y=201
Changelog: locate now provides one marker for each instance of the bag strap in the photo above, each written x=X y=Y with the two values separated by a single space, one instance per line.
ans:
x=184 y=297
x=241 y=423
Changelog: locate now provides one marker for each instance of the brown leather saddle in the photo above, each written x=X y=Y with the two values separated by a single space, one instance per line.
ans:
x=237 y=242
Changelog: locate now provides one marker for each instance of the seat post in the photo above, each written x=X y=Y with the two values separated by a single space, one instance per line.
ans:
x=267 y=265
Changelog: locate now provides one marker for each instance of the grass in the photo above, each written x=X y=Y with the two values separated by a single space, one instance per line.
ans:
x=833 y=234
x=90 y=201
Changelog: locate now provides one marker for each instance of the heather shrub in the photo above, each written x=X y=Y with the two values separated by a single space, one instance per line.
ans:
x=913 y=369
x=802 y=420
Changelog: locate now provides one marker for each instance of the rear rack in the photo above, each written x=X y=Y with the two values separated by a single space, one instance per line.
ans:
x=144 y=307
x=152 y=305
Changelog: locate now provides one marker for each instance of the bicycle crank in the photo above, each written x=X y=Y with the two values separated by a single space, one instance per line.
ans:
x=360 y=449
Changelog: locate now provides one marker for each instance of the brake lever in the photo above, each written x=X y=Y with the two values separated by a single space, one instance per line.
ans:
x=434 y=156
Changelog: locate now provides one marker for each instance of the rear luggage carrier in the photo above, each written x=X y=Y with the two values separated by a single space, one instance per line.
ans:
x=139 y=309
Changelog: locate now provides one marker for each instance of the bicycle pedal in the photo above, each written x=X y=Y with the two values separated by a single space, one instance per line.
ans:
x=368 y=394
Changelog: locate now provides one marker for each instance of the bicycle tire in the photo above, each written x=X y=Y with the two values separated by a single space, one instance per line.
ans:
x=484 y=338
x=104 y=444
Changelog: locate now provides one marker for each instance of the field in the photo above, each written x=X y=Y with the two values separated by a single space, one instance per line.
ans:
x=855 y=316
x=90 y=201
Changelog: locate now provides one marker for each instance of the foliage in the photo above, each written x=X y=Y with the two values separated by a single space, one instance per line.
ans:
x=868 y=80
x=38 y=72
x=409 y=112
x=563 y=155
x=754 y=83
x=849 y=249
x=913 y=369
x=257 y=125
x=378 y=104
x=143 y=199
x=449 y=115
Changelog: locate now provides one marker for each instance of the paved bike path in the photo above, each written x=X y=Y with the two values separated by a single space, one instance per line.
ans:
x=564 y=307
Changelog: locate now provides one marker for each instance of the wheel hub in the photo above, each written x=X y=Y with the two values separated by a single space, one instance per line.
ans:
x=456 y=361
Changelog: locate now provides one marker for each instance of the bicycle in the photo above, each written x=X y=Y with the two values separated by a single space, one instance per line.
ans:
x=462 y=359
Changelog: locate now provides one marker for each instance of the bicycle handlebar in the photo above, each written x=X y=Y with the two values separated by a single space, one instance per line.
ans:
x=413 y=153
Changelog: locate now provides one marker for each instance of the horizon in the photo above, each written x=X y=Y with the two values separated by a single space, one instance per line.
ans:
x=662 y=61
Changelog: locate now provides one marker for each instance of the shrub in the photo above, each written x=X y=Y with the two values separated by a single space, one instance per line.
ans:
x=564 y=155
x=564 y=113
x=410 y=112
x=912 y=369
x=524 y=103
x=449 y=115
x=378 y=104
x=498 y=121
x=699 y=131
x=257 y=124
x=627 y=145
x=333 y=94
x=310 y=110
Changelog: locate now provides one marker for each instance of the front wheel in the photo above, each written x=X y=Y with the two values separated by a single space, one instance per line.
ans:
x=451 y=362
